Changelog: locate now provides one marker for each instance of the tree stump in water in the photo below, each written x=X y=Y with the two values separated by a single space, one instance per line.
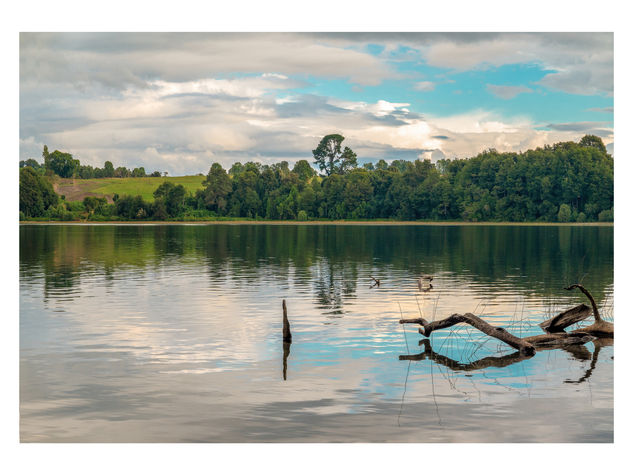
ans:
x=287 y=336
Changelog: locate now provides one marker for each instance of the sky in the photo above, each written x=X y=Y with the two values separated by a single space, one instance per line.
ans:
x=178 y=102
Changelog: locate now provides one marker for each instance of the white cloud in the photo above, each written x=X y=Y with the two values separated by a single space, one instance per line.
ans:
x=425 y=86
x=507 y=92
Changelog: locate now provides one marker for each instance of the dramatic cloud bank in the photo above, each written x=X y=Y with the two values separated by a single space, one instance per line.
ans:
x=178 y=102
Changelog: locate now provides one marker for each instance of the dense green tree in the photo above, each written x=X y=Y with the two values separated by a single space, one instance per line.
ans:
x=36 y=193
x=303 y=170
x=138 y=172
x=329 y=157
x=122 y=172
x=173 y=196
x=133 y=207
x=217 y=186
x=606 y=215
x=30 y=163
x=236 y=169
x=86 y=172
x=564 y=213
x=45 y=156
x=94 y=205
x=108 y=169
x=62 y=164
x=593 y=141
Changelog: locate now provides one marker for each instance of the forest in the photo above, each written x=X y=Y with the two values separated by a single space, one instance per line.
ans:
x=563 y=182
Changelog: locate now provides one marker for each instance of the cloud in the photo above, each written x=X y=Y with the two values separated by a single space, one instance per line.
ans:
x=425 y=86
x=592 y=128
x=178 y=102
x=119 y=60
x=507 y=92
x=606 y=110
x=581 y=63
x=183 y=131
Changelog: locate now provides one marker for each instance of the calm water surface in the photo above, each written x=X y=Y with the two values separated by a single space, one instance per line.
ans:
x=172 y=333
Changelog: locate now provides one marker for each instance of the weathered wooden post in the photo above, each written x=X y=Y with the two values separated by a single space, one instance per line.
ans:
x=286 y=328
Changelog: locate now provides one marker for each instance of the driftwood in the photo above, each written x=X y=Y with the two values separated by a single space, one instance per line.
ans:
x=565 y=319
x=555 y=338
x=600 y=328
x=481 y=325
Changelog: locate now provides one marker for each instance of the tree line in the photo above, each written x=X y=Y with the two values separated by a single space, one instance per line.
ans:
x=64 y=165
x=564 y=182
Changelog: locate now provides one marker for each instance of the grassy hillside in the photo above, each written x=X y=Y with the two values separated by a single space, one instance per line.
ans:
x=78 y=189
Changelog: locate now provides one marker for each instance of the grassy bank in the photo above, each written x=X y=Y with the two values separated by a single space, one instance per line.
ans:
x=78 y=189
x=322 y=222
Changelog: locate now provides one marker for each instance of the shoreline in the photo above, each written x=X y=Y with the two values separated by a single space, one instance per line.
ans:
x=311 y=223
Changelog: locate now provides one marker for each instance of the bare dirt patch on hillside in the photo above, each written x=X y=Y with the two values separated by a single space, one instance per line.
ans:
x=77 y=190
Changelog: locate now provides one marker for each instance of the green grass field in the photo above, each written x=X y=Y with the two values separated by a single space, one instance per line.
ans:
x=77 y=190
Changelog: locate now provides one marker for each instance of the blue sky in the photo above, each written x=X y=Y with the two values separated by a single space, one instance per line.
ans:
x=179 y=102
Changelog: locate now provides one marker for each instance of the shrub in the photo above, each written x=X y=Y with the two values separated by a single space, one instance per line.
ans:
x=606 y=215
x=564 y=213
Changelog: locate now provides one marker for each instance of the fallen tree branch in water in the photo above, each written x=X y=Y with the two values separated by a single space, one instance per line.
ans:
x=565 y=319
x=480 y=324
x=555 y=337
x=600 y=328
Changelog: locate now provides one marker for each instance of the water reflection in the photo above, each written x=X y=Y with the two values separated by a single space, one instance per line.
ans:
x=286 y=351
x=174 y=332
x=585 y=355
x=578 y=352
x=536 y=260
x=482 y=363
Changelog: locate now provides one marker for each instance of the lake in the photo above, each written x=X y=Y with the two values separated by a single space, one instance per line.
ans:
x=173 y=333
